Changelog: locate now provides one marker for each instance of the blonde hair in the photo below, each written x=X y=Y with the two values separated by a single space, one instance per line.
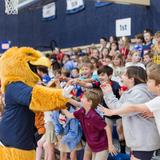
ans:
x=94 y=95
x=153 y=72
x=157 y=34
x=88 y=65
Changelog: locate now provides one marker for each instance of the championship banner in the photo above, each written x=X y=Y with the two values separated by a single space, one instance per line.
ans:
x=74 y=6
x=49 y=11
x=101 y=4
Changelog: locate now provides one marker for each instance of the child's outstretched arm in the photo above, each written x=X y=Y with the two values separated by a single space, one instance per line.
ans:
x=130 y=108
x=75 y=103
x=67 y=113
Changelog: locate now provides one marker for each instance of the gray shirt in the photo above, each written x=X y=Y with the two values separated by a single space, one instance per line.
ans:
x=140 y=134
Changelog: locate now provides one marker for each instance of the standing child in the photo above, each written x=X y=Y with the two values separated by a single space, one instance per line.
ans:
x=47 y=140
x=92 y=124
x=140 y=133
x=151 y=106
x=68 y=132
x=105 y=75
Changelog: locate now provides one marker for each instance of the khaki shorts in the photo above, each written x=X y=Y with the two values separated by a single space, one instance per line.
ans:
x=102 y=155
x=49 y=135
x=64 y=148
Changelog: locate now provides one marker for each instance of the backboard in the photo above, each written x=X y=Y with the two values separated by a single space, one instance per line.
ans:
x=25 y=3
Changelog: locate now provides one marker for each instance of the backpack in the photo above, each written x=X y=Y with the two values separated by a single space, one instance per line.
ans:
x=119 y=156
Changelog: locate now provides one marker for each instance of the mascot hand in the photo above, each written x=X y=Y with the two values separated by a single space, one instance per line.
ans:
x=67 y=91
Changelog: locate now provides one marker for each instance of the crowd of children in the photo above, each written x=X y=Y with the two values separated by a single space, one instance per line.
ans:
x=118 y=75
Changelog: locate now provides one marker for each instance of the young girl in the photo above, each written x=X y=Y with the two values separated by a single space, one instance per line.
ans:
x=118 y=68
x=114 y=49
x=153 y=84
x=140 y=134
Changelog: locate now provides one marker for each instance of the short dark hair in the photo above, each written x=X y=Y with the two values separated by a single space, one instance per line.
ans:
x=104 y=38
x=138 y=73
x=148 y=30
x=105 y=69
x=43 y=69
x=140 y=36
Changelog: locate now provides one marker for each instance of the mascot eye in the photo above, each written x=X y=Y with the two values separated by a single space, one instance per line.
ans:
x=29 y=54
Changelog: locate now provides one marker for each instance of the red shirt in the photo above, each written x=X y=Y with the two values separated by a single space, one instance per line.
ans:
x=93 y=127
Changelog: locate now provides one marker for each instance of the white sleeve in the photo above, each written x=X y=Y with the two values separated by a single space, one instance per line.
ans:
x=48 y=116
x=154 y=104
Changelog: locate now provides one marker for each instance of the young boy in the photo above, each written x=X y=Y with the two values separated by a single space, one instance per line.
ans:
x=148 y=36
x=139 y=43
x=92 y=124
x=147 y=58
x=151 y=106
x=105 y=74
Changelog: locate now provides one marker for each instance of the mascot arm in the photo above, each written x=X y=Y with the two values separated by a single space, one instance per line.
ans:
x=46 y=99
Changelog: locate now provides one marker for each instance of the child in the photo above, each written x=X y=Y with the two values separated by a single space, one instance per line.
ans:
x=92 y=124
x=47 y=140
x=148 y=36
x=156 y=47
x=68 y=132
x=136 y=60
x=107 y=61
x=140 y=134
x=105 y=75
x=118 y=68
x=147 y=58
x=151 y=106
x=139 y=43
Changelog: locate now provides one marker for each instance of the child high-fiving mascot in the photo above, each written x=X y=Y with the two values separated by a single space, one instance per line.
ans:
x=22 y=97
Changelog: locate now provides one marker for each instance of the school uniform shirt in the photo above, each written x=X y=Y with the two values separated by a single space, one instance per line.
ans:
x=146 y=48
x=17 y=123
x=154 y=107
x=93 y=127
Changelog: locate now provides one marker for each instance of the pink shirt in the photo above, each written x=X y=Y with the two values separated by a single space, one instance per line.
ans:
x=93 y=127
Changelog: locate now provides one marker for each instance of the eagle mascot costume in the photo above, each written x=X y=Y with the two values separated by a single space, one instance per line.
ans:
x=23 y=97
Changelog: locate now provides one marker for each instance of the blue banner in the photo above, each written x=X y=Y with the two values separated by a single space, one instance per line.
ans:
x=49 y=11
x=74 y=6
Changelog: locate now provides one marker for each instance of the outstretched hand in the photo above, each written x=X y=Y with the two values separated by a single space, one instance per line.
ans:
x=106 y=88
x=106 y=111
x=147 y=115
x=67 y=91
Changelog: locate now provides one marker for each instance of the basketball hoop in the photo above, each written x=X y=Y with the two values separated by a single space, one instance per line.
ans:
x=11 y=7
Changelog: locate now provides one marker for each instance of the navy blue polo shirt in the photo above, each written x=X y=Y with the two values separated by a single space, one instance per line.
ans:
x=17 y=123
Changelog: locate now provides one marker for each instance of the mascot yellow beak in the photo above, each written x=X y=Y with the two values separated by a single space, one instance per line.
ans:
x=42 y=61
